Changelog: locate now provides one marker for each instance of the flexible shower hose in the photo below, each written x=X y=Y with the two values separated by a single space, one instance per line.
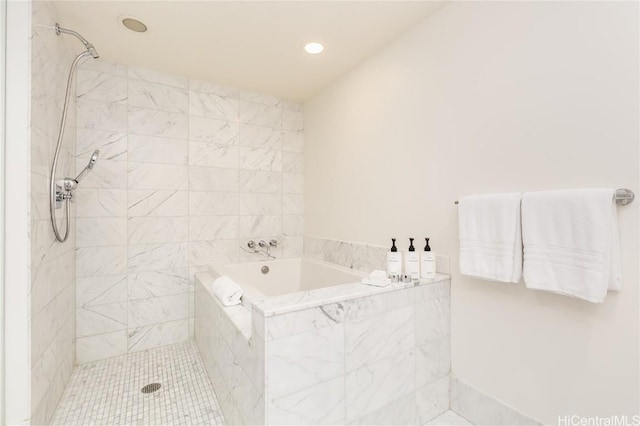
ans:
x=54 y=166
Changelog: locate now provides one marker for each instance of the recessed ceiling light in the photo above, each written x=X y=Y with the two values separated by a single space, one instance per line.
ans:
x=133 y=23
x=313 y=48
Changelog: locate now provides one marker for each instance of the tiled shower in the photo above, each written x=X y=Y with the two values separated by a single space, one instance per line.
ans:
x=189 y=171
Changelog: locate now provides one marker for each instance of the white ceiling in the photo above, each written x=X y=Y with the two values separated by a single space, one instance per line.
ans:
x=254 y=45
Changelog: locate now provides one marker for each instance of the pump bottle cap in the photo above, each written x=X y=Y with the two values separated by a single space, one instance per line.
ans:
x=393 y=245
x=411 y=247
x=427 y=248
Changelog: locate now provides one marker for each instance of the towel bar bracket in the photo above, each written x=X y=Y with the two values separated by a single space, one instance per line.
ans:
x=623 y=196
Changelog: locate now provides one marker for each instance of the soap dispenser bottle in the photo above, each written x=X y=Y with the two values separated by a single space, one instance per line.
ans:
x=412 y=262
x=394 y=260
x=427 y=262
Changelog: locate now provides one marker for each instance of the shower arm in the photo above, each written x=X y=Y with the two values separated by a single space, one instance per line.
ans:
x=87 y=45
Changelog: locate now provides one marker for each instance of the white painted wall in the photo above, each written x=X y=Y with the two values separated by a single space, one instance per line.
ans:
x=16 y=306
x=489 y=97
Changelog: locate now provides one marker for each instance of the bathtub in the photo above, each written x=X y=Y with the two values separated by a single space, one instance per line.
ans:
x=273 y=278
x=311 y=345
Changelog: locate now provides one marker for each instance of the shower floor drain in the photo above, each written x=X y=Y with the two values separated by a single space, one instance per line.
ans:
x=151 y=387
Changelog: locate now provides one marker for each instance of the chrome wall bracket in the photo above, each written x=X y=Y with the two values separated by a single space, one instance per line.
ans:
x=64 y=190
x=624 y=196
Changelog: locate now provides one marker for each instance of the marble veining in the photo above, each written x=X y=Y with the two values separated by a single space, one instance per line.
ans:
x=164 y=282
x=188 y=171
x=260 y=137
x=100 y=86
x=369 y=387
x=153 y=76
x=347 y=354
x=211 y=179
x=299 y=361
x=110 y=175
x=144 y=230
x=100 y=290
x=260 y=204
x=212 y=130
x=253 y=158
x=213 y=106
x=433 y=400
x=153 y=122
x=213 y=155
x=157 y=203
x=97 y=319
x=205 y=228
x=112 y=145
x=102 y=115
x=260 y=181
x=330 y=295
x=399 y=412
x=150 y=257
x=156 y=335
x=153 y=149
x=260 y=226
x=374 y=339
x=322 y=404
x=155 y=310
x=152 y=95
x=261 y=114
x=292 y=141
x=480 y=408
x=157 y=176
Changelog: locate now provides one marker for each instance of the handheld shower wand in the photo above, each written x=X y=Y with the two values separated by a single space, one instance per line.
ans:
x=69 y=184
x=87 y=169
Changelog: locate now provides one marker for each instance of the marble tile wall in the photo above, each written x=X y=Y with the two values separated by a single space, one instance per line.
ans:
x=189 y=171
x=233 y=351
x=482 y=409
x=382 y=359
x=359 y=256
x=52 y=263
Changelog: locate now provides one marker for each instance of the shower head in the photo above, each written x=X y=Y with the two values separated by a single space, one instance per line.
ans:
x=87 y=169
x=87 y=45
x=93 y=159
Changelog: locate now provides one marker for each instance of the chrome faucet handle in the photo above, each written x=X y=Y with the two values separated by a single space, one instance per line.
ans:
x=251 y=244
x=262 y=243
x=273 y=243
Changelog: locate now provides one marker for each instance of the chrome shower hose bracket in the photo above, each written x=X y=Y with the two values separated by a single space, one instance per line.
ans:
x=64 y=191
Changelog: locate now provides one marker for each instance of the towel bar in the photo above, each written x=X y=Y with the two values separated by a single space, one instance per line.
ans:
x=623 y=196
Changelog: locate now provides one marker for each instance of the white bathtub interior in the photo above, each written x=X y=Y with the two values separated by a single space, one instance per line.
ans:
x=287 y=276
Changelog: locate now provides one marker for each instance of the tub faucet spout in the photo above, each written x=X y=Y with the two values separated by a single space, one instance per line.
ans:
x=266 y=248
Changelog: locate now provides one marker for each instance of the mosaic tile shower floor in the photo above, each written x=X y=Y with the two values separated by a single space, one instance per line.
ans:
x=108 y=392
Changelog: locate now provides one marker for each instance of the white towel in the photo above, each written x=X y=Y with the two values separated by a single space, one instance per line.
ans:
x=490 y=236
x=571 y=242
x=227 y=291
x=377 y=278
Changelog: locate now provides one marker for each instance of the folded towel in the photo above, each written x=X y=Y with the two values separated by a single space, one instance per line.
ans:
x=571 y=242
x=377 y=278
x=227 y=291
x=490 y=236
